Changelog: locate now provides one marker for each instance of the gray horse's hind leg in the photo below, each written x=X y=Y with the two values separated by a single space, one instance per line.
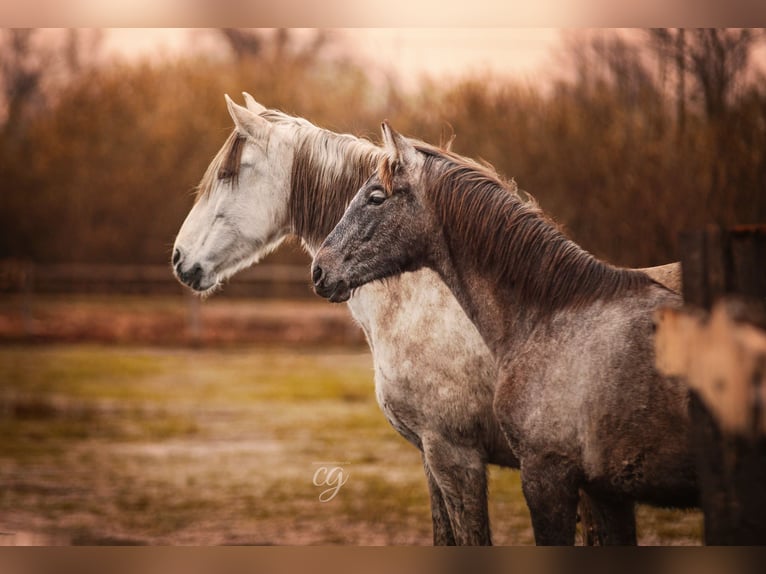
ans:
x=461 y=476
x=443 y=535
x=551 y=491
x=607 y=522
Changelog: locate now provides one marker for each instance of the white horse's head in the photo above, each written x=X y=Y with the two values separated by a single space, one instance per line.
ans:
x=240 y=213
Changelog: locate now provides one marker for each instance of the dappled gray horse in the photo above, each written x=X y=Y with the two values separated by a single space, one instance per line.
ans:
x=578 y=397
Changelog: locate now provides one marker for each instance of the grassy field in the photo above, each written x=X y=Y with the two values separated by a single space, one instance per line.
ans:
x=125 y=444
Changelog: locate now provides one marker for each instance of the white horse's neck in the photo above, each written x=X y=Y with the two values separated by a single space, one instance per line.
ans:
x=327 y=171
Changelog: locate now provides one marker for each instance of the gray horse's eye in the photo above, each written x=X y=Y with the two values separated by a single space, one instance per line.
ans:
x=377 y=197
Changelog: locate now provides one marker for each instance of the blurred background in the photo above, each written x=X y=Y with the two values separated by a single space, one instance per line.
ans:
x=134 y=413
x=625 y=137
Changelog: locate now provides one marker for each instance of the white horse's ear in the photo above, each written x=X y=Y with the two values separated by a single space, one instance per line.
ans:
x=252 y=105
x=247 y=123
x=398 y=147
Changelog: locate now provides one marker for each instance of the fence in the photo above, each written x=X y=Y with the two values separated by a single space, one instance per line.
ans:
x=264 y=281
x=37 y=306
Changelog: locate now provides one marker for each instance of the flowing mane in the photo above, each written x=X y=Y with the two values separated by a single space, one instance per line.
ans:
x=513 y=239
x=327 y=170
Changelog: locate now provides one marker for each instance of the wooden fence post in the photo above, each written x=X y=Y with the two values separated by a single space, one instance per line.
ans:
x=27 y=293
x=194 y=316
x=726 y=269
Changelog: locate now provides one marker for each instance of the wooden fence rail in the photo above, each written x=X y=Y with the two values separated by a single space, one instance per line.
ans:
x=265 y=280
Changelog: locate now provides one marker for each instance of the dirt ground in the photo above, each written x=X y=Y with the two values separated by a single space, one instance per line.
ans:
x=218 y=439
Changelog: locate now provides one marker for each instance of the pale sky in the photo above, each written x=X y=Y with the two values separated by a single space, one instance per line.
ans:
x=526 y=53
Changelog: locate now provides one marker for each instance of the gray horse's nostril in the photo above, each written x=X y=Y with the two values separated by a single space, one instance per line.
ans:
x=176 y=256
x=317 y=274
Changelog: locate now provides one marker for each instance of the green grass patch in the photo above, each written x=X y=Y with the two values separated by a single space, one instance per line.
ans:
x=127 y=374
x=139 y=445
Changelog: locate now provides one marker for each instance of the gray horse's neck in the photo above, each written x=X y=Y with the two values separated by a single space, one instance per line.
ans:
x=485 y=303
x=533 y=273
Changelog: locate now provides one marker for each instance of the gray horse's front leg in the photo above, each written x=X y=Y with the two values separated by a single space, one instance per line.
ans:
x=443 y=535
x=607 y=522
x=461 y=476
x=550 y=488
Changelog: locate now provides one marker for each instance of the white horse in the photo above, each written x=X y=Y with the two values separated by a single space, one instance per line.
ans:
x=278 y=175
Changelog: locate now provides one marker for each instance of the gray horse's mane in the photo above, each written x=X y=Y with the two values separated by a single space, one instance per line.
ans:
x=513 y=239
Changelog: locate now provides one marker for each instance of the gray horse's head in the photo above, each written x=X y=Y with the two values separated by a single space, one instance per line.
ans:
x=386 y=229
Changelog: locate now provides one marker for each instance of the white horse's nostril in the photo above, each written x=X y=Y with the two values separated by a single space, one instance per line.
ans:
x=192 y=277
x=176 y=256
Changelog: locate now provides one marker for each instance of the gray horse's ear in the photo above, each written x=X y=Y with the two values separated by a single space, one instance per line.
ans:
x=397 y=146
x=246 y=122
x=252 y=105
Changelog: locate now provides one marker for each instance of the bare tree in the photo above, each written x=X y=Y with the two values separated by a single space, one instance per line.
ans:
x=21 y=74
x=670 y=45
x=81 y=49
x=612 y=59
x=715 y=58
x=244 y=43
x=279 y=44
x=35 y=64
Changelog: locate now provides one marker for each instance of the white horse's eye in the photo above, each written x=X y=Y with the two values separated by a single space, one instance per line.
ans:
x=377 y=197
x=225 y=174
